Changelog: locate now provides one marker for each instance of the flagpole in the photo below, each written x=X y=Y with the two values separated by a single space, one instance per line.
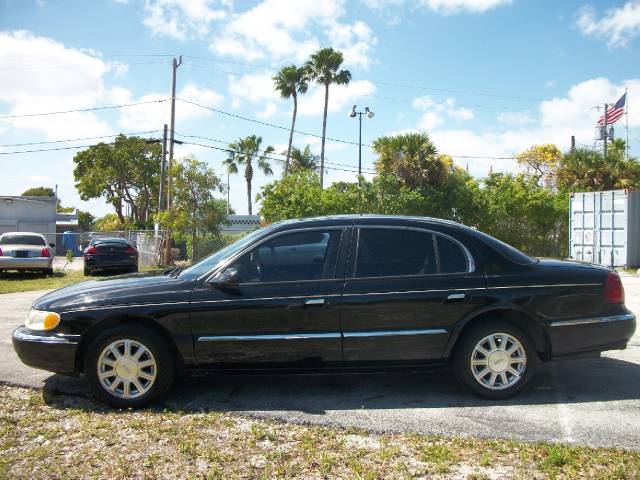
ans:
x=626 y=101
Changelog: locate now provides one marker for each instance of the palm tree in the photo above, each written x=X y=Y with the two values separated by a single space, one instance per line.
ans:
x=412 y=158
x=290 y=81
x=324 y=68
x=303 y=159
x=243 y=152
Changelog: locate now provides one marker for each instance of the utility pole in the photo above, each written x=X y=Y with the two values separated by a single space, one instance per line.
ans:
x=163 y=170
x=606 y=135
x=573 y=142
x=174 y=66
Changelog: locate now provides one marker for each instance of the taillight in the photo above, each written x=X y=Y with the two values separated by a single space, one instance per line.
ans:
x=91 y=250
x=613 y=290
x=131 y=251
x=45 y=252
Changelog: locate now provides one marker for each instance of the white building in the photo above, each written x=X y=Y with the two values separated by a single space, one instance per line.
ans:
x=29 y=214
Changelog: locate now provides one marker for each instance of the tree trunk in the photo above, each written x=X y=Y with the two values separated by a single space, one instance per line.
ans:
x=293 y=126
x=248 y=175
x=193 y=245
x=117 y=203
x=324 y=132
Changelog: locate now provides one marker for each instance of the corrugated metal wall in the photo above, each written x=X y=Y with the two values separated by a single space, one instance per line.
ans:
x=604 y=227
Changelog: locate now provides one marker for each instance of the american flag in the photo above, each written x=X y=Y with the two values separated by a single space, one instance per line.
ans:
x=614 y=113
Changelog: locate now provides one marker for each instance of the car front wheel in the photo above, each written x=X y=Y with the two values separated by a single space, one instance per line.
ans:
x=129 y=367
x=495 y=360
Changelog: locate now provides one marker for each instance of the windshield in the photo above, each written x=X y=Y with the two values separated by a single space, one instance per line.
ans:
x=22 y=240
x=209 y=263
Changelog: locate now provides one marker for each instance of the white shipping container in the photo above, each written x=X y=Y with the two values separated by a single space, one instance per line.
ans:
x=604 y=227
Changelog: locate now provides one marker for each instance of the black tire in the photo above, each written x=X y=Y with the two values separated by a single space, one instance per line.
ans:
x=463 y=356
x=152 y=341
x=88 y=271
x=48 y=271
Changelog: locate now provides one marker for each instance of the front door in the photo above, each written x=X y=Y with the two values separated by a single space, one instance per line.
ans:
x=406 y=289
x=285 y=308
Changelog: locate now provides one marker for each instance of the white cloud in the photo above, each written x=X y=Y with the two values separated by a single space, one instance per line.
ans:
x=515 y=118
x=340 y=97
x=47 y=87
x=182 y=19
x=434 y=111
x=550 y=84
x=287 y=29
x=554 y=121
x=253 y=88
x=151 y=116
x=617 y=27
x=450 y=7
x=443 y=7
x=270 y=109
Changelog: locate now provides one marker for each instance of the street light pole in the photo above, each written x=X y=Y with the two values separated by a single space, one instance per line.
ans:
x=352 y=114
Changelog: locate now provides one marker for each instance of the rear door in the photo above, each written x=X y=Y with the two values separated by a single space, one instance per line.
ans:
x=405 y=290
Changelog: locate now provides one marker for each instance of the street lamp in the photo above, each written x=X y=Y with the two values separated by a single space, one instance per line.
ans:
x=353 y=113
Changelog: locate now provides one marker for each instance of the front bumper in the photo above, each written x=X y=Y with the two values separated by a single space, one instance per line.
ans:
x=595 y=334
x=12 y=263
x=53 y=352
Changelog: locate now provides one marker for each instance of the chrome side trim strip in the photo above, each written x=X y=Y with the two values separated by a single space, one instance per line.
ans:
x=391 y=333
x=124 y=305
x=291 y=336
x=549 y=285
x=587 y=321
x=414 y=291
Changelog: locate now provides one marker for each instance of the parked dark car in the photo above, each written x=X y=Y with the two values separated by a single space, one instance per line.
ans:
x=323 y=294
x=110 y=253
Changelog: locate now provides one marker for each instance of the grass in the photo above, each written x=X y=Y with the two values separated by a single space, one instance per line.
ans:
x=72 y=437
x=11 y=282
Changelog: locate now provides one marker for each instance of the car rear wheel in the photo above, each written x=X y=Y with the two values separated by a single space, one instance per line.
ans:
x=129 y=367
x=88 y=271
x=495 y=360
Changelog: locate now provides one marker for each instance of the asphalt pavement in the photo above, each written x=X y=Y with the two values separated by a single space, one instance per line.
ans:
x=592 y=402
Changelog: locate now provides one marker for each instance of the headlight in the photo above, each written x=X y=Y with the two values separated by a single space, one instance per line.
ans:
x=41 y=320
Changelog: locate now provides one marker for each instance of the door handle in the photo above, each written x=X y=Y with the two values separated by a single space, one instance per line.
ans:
x=456 y=297
x=314 y=301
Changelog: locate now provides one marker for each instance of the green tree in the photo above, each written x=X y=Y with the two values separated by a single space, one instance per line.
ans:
x=243 y=152
x=412 y=158
x=291 y=81
x=541 y=162
x=324 y=67
x=587 y=170
x=126 y=171
x=194 y=211
x=85 y=221
x=47 y=192
x=304 y=159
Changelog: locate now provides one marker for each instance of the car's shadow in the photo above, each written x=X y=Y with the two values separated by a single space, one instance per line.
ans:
x=574 y=381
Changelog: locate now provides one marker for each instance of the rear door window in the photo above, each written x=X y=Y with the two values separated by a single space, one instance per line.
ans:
x=394 y=252
x=452 y=257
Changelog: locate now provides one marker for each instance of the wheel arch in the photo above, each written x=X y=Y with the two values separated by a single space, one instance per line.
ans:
x=123 y=319
x=507 y=314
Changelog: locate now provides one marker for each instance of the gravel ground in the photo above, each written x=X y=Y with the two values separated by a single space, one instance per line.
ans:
x=590 y=402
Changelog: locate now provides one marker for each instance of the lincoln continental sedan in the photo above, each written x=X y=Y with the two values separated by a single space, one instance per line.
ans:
x=329 y=294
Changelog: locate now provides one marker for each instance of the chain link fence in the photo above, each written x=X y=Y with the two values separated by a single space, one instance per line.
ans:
x=149 y=243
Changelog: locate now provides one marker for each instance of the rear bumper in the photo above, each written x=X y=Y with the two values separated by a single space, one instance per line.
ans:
x=11 y=263
x=96 y=262
x=595 y=334
x=47 y=351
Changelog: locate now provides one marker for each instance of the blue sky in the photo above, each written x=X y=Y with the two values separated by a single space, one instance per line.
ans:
x=485 y=78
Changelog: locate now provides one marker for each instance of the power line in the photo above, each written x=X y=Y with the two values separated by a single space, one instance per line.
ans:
x=57 y=67
x=90 y=109
x=76 y=139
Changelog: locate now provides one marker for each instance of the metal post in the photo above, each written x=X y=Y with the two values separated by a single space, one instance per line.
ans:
x=163 y=170
x=360 y=148
x=228 y=191
x=174 y=66
x=606 y=135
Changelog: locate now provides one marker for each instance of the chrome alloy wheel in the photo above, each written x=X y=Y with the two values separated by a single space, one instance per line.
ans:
x=498 y=361
x=126 y=369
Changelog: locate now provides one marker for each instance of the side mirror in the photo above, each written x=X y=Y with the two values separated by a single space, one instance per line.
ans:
x=227 y=279
x=52 y=245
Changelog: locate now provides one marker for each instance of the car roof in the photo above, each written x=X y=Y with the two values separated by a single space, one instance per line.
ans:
x=362 y=219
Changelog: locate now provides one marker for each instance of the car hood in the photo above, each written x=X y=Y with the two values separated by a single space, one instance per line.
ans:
x=121 y=290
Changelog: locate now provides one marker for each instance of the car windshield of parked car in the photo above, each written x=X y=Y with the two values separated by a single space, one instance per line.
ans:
x=22 y=240
x=209 y=263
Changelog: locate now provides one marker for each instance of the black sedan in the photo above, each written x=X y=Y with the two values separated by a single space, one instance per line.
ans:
x=110 y=253
x=357 y=292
